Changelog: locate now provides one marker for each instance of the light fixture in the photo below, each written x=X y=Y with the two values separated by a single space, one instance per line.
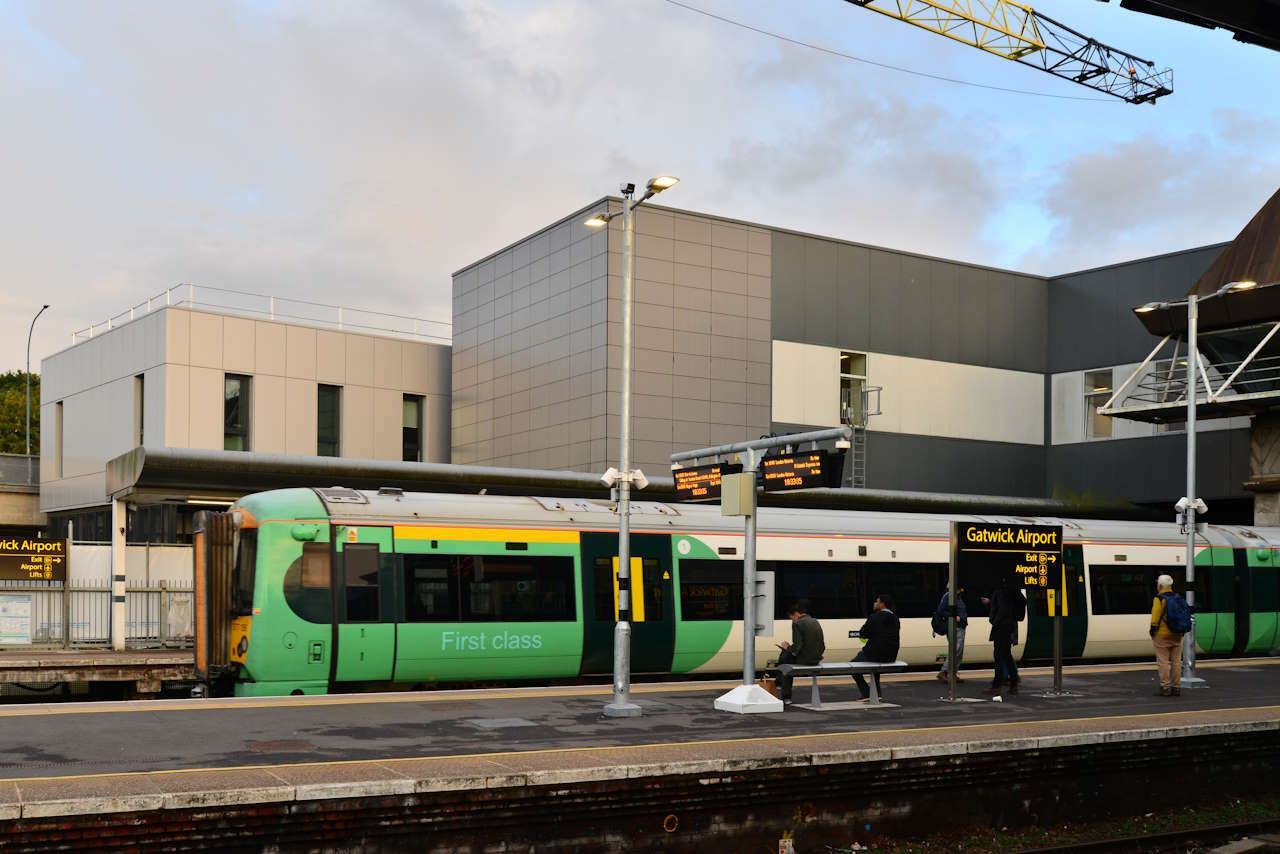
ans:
x=598 y=220
x=1242 y=285
x=662 y=182
x=1143 y=309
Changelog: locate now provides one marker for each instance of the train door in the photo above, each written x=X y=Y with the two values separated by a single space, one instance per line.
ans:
x=1217 y=595
x=1068 y=587
x=364 y=589
x=1259 y=600
x=653 y=633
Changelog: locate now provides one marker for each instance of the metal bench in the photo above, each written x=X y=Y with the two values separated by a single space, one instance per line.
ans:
x=843 y=668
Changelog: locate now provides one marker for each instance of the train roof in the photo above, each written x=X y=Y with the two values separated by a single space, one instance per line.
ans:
x=395 y=506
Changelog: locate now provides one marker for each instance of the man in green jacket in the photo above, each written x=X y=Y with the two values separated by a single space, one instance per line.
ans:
x=806 y=647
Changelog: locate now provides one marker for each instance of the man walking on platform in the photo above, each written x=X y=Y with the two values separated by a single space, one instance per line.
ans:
x=806 y=648
x=940 y=619
x=881 y=633
x=1166 y=638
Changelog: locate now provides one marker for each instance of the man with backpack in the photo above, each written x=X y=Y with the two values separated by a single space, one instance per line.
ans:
x=1170 y=620
x=939 y=626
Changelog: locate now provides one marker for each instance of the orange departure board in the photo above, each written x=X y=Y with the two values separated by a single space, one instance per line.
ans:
x=804 y=470
x=702 y=482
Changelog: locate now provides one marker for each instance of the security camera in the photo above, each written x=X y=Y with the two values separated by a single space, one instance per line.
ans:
x=628 y=189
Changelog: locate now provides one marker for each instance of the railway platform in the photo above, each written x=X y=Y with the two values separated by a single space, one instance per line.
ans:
x=542 y=766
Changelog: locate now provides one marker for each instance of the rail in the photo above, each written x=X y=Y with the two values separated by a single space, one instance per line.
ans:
x=51 y=615
x=271 y=307
x=19 y=470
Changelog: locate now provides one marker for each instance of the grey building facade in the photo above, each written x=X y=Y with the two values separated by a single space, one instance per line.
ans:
x=988 y=378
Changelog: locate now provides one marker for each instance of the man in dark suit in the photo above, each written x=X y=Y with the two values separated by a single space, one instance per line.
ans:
x=881 y=632
x=806 y=647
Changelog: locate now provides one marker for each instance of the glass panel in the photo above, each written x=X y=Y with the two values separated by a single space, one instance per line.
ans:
x=328 y=420
x=916 y=588
x=360 y=572
x=710 y=590
x=516 y=589
x=1121 y=589
x=1097 y=390
x=430 y=588
x=235 y=413
x=306 y=584
x=831 y=590
x=412 y=438
x=243 y=571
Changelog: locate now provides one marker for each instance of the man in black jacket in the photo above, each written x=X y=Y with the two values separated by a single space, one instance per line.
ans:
x=881 y=633
x=806 y=648
x=1008 y=606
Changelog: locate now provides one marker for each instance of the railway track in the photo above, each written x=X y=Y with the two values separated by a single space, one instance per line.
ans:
x=1195 y=839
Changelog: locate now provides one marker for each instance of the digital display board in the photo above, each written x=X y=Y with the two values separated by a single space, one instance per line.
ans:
x=31 y=559
x=804 y=470
x=702 y=482
x=1032 y=553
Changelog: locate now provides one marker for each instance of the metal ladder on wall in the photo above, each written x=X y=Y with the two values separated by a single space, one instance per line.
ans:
x=869 y=404
x=858 y=471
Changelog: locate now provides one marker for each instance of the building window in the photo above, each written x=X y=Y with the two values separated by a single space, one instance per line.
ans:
x=412 y=428
x=235 y=413
x=853 y=379
x=139 y=410
x=329 y=420
x=57 y=440
x=1097 y=391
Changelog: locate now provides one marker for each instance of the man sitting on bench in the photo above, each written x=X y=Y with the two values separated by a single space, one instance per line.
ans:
x=881 y=633
x=806 y=647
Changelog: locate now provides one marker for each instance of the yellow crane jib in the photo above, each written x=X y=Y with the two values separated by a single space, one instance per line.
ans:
x=1015 y=31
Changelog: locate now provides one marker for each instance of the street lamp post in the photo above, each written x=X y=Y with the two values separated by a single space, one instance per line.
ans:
x=621 y=706
x=29 y=332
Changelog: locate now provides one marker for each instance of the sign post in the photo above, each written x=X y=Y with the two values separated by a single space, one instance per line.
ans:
x=737 y=491
x=1003 y=552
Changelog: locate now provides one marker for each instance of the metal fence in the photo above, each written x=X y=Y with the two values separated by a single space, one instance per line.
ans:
x=20 y=469
x=78 y=616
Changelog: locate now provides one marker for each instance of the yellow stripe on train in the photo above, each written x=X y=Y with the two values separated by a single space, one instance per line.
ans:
x=486 y=535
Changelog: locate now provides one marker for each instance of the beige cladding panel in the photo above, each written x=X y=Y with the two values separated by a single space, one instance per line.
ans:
x=177 y=336
x=267 y=397
x=238 y=345
x=359 y=360
x=806 y=384
x=436 y=417
x=207 y=398
x=206 y=340
x=388 y=371
x=331 y=357
x=300 y=353
x=300 y=417
x=357 y=421
x=269 y=350
x=177 y=410
x=388 y=424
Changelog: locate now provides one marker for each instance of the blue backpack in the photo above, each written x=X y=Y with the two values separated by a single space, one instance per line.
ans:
x=1177 y=613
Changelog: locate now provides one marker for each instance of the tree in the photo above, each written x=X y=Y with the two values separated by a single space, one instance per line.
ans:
x=13 y=412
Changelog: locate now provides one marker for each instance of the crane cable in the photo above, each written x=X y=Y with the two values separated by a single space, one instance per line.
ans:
x=885 y=65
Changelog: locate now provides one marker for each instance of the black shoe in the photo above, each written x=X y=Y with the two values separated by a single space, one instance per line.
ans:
x=1166 y=692
x=1177 y=692
x=1013 y=686
x=992 y=689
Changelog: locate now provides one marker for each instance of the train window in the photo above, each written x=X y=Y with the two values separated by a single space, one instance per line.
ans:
x=831 y=590
x=916 y=588
x=650 y=585
x=430 y=589
x=360 y=571
x=711 y=589
x=306 y=584
x=244 y=571
x=511 y=588
x=1121 y=589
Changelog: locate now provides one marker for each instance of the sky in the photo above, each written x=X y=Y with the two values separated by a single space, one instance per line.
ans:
x=359 y=153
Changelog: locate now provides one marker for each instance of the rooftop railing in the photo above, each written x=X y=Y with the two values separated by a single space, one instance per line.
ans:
x=270 y=307
x=19 y=470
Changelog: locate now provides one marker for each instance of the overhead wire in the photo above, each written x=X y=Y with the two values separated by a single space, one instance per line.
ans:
x=887 y=66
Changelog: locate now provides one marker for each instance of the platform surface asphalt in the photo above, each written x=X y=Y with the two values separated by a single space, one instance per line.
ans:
x=79 y=739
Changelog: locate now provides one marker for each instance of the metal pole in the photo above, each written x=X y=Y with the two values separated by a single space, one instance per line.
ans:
x=1057 y=649
x=29 y=332
x=119 y=616
x=66 y=589
x=952 y=676
x=749 y=581
x=1193 y=358
x=622 y=705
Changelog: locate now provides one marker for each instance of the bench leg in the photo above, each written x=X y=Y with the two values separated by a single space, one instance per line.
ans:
x=875 y=694
x=815 y=699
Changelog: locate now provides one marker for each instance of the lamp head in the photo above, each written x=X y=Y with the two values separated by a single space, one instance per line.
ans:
x=598 y=220
x=660 y=183
x=1242 y=285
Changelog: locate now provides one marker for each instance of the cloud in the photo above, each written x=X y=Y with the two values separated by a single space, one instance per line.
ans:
x=359 y=153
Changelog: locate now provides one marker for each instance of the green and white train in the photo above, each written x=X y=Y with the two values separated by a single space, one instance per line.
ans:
x=340 y=589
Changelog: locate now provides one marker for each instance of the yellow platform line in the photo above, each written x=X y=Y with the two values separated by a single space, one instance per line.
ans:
x=547 y=751
x=534 y=692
